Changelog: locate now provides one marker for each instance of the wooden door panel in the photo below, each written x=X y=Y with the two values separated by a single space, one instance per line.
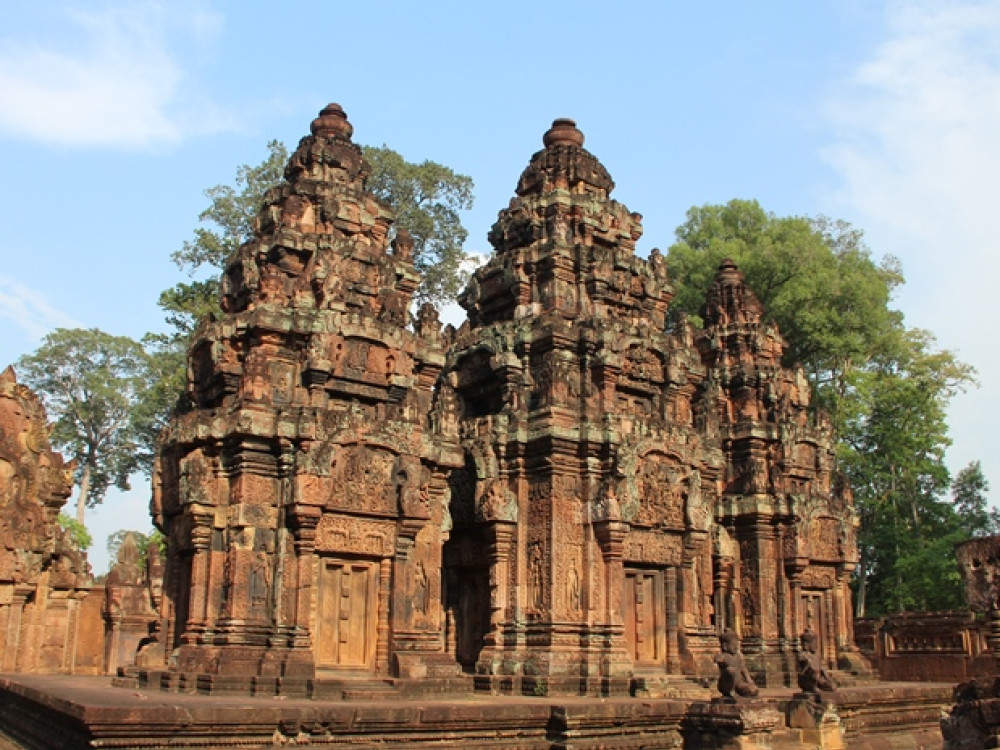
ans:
x=347 y=616
x=645 y=616
x=814 y=618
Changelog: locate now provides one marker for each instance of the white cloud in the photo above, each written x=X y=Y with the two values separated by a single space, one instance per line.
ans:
x=113 y=81
x=916 y=146
x=30 y=311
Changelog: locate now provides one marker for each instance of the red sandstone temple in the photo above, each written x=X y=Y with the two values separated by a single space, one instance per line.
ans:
x=573 y=492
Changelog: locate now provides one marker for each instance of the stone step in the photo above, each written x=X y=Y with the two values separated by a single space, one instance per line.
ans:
x=352 y=690
x=845 y=678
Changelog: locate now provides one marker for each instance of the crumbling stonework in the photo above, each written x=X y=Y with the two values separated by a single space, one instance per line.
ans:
x=974 y=719
x=43 y=576
x=129 y=610
x=570 y=492
x=979 y=565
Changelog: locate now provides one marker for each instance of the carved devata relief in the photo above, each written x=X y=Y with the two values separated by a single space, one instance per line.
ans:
x=749 y=591
x=536 y=579
x=283 y=376
x=567 y=586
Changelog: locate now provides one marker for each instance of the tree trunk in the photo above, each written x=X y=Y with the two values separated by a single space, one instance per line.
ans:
x=81 y=500
x=859 y=604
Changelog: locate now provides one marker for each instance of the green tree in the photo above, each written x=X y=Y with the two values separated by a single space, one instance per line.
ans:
x=227 y=223
x=166 y=369
x=90 y=382
x=77 y=531
x=892 y=450
x=968 y=493
x=815 y=278
x=427 y=198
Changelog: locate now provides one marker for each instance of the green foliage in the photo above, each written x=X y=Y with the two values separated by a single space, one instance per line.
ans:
x=142 y=542
x=228 y=222
x=90 y=382
x=185 y=303
x=231 y=212
x=892 y=449
x=968 y=493
x=927 y=569
x=427 y=198
x=166 y=365
x=814 y=277
x=77 y=531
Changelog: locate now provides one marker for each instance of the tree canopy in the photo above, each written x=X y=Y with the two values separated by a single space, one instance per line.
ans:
x=893 y=439
x=90 y=383
x=814 y=277
x=427 y=198
x=968 y=493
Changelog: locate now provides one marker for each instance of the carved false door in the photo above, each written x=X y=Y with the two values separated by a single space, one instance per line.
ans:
x=644 y=610
x=814 y=617
x=347 y=627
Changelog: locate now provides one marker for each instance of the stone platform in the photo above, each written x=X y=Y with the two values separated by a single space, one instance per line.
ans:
x=44 y=712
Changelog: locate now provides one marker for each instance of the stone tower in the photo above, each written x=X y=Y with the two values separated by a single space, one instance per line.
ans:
x=585 y=477
x=303 y=489
x=785 y=534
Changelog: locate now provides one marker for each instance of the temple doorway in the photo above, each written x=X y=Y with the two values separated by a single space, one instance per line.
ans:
x=469 y=608
x=181 y=601
x=347 y=614
x=814 y=618
x=645 y=615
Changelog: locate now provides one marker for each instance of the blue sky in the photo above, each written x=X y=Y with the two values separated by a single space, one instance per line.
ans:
x=114 y=117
